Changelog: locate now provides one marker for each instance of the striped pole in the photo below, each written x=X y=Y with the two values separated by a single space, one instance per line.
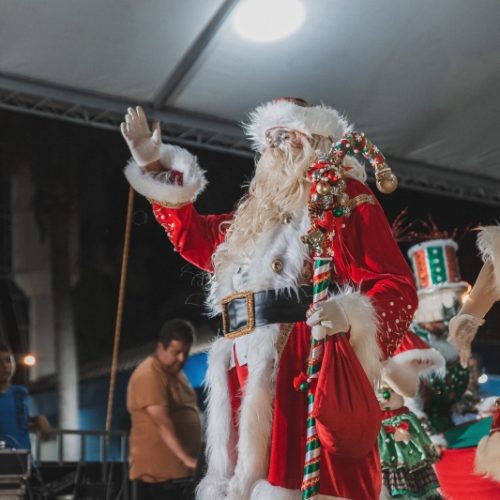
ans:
x=311 y=477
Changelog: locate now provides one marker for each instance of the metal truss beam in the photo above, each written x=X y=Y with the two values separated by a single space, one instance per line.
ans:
x=210 y=133
x=194 y=52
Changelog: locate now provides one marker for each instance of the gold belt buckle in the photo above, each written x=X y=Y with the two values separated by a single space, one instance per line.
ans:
x=244 y=330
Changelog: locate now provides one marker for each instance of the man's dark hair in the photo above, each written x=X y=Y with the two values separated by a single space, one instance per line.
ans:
x=176 y=329
x=5 y=348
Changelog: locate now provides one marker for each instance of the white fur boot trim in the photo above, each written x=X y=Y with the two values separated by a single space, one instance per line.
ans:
x=263 y=490
x=384 y=493
x=220 y=439
x=488 y=457
x=256 y=414
x=362 y=318
x=158 y=186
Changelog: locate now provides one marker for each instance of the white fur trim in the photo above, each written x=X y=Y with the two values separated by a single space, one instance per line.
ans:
x=384 y=493
x=256 y=415
x=322 y=120
x=263 y=490
x=362 y=318
x=416 y=406
x=488 y=242
x=356 y=169
x=488 y=457
x=220 y=440
x=487 y=406
x=437 y=362
x=439 y=440
x=159 y=188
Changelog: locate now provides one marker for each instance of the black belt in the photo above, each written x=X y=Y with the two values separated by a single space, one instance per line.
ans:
x=242 y=312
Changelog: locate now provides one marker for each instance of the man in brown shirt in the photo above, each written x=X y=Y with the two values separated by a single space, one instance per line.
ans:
x=165 y=437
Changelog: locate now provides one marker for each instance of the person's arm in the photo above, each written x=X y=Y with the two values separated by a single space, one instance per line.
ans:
x=40 y=425
x=171 y=179
x=485 y=292
x=160 y=417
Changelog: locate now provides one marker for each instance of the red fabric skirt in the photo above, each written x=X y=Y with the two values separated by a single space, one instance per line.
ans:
x=456 y=476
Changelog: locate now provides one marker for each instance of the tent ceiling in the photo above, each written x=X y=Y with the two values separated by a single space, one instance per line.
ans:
x=420 y=78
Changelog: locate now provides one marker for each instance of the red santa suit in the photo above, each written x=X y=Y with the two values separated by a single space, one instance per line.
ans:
x=256 y=423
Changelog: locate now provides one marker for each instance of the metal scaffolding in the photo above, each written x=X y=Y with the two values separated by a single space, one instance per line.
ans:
x=210 y=133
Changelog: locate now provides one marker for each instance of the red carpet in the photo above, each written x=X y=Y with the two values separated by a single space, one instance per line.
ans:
x=458 y=482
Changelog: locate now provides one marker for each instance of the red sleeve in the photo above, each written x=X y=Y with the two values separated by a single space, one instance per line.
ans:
x=367 y=256
x=194 y=236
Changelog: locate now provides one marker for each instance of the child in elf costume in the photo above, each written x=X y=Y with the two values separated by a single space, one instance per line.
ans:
x=407 y=454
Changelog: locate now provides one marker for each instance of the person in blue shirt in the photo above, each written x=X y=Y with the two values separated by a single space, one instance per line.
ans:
x=15 y=421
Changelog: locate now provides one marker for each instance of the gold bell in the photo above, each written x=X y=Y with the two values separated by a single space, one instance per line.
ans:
x=323 y=188
x=386 y=181
x=343 y=199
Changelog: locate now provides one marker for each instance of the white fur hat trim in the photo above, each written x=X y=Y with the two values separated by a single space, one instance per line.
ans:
x=321 y=120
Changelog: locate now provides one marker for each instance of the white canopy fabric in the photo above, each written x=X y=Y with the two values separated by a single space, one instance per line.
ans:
x=420 y=78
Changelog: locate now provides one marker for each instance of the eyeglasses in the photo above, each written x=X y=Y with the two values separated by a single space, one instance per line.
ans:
x=278 y=136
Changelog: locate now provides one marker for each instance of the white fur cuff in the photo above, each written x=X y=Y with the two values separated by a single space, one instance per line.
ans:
x=429 y=361
x=159 y=188
x=439 y=440
x=362 y=317
x=263 y=490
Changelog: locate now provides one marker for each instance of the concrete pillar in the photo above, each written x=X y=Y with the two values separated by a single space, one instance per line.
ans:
x=31 y=271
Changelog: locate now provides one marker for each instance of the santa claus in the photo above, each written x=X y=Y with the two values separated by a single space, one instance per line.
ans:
x=259 y=260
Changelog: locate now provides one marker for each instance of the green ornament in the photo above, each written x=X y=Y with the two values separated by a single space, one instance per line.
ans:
x=304 y=386
x=338 y=211
x=386 y=394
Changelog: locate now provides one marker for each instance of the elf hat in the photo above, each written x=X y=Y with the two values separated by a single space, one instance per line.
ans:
x=440 y=289
x=295 y=114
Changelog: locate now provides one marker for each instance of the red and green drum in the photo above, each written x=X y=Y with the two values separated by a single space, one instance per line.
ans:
x=437 y=274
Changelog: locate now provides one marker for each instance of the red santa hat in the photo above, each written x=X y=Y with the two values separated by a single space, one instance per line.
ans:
x=296 y=114
x=413 y=351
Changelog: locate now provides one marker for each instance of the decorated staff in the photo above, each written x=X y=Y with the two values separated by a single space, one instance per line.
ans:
x=327 y=200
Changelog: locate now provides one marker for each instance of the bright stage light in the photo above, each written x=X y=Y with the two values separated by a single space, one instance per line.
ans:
x=29 y=360
x=483 y=379
x=267 y=21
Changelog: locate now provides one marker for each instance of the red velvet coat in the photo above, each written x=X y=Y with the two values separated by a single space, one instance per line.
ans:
x=365 y=257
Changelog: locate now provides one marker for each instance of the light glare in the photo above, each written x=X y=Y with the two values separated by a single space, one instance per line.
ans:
x=483 y=379
x=29 y=360
x=267 y=21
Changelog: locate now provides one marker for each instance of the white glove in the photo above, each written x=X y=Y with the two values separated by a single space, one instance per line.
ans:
x=327 y=318
x=461 y=332
x=144 y=145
